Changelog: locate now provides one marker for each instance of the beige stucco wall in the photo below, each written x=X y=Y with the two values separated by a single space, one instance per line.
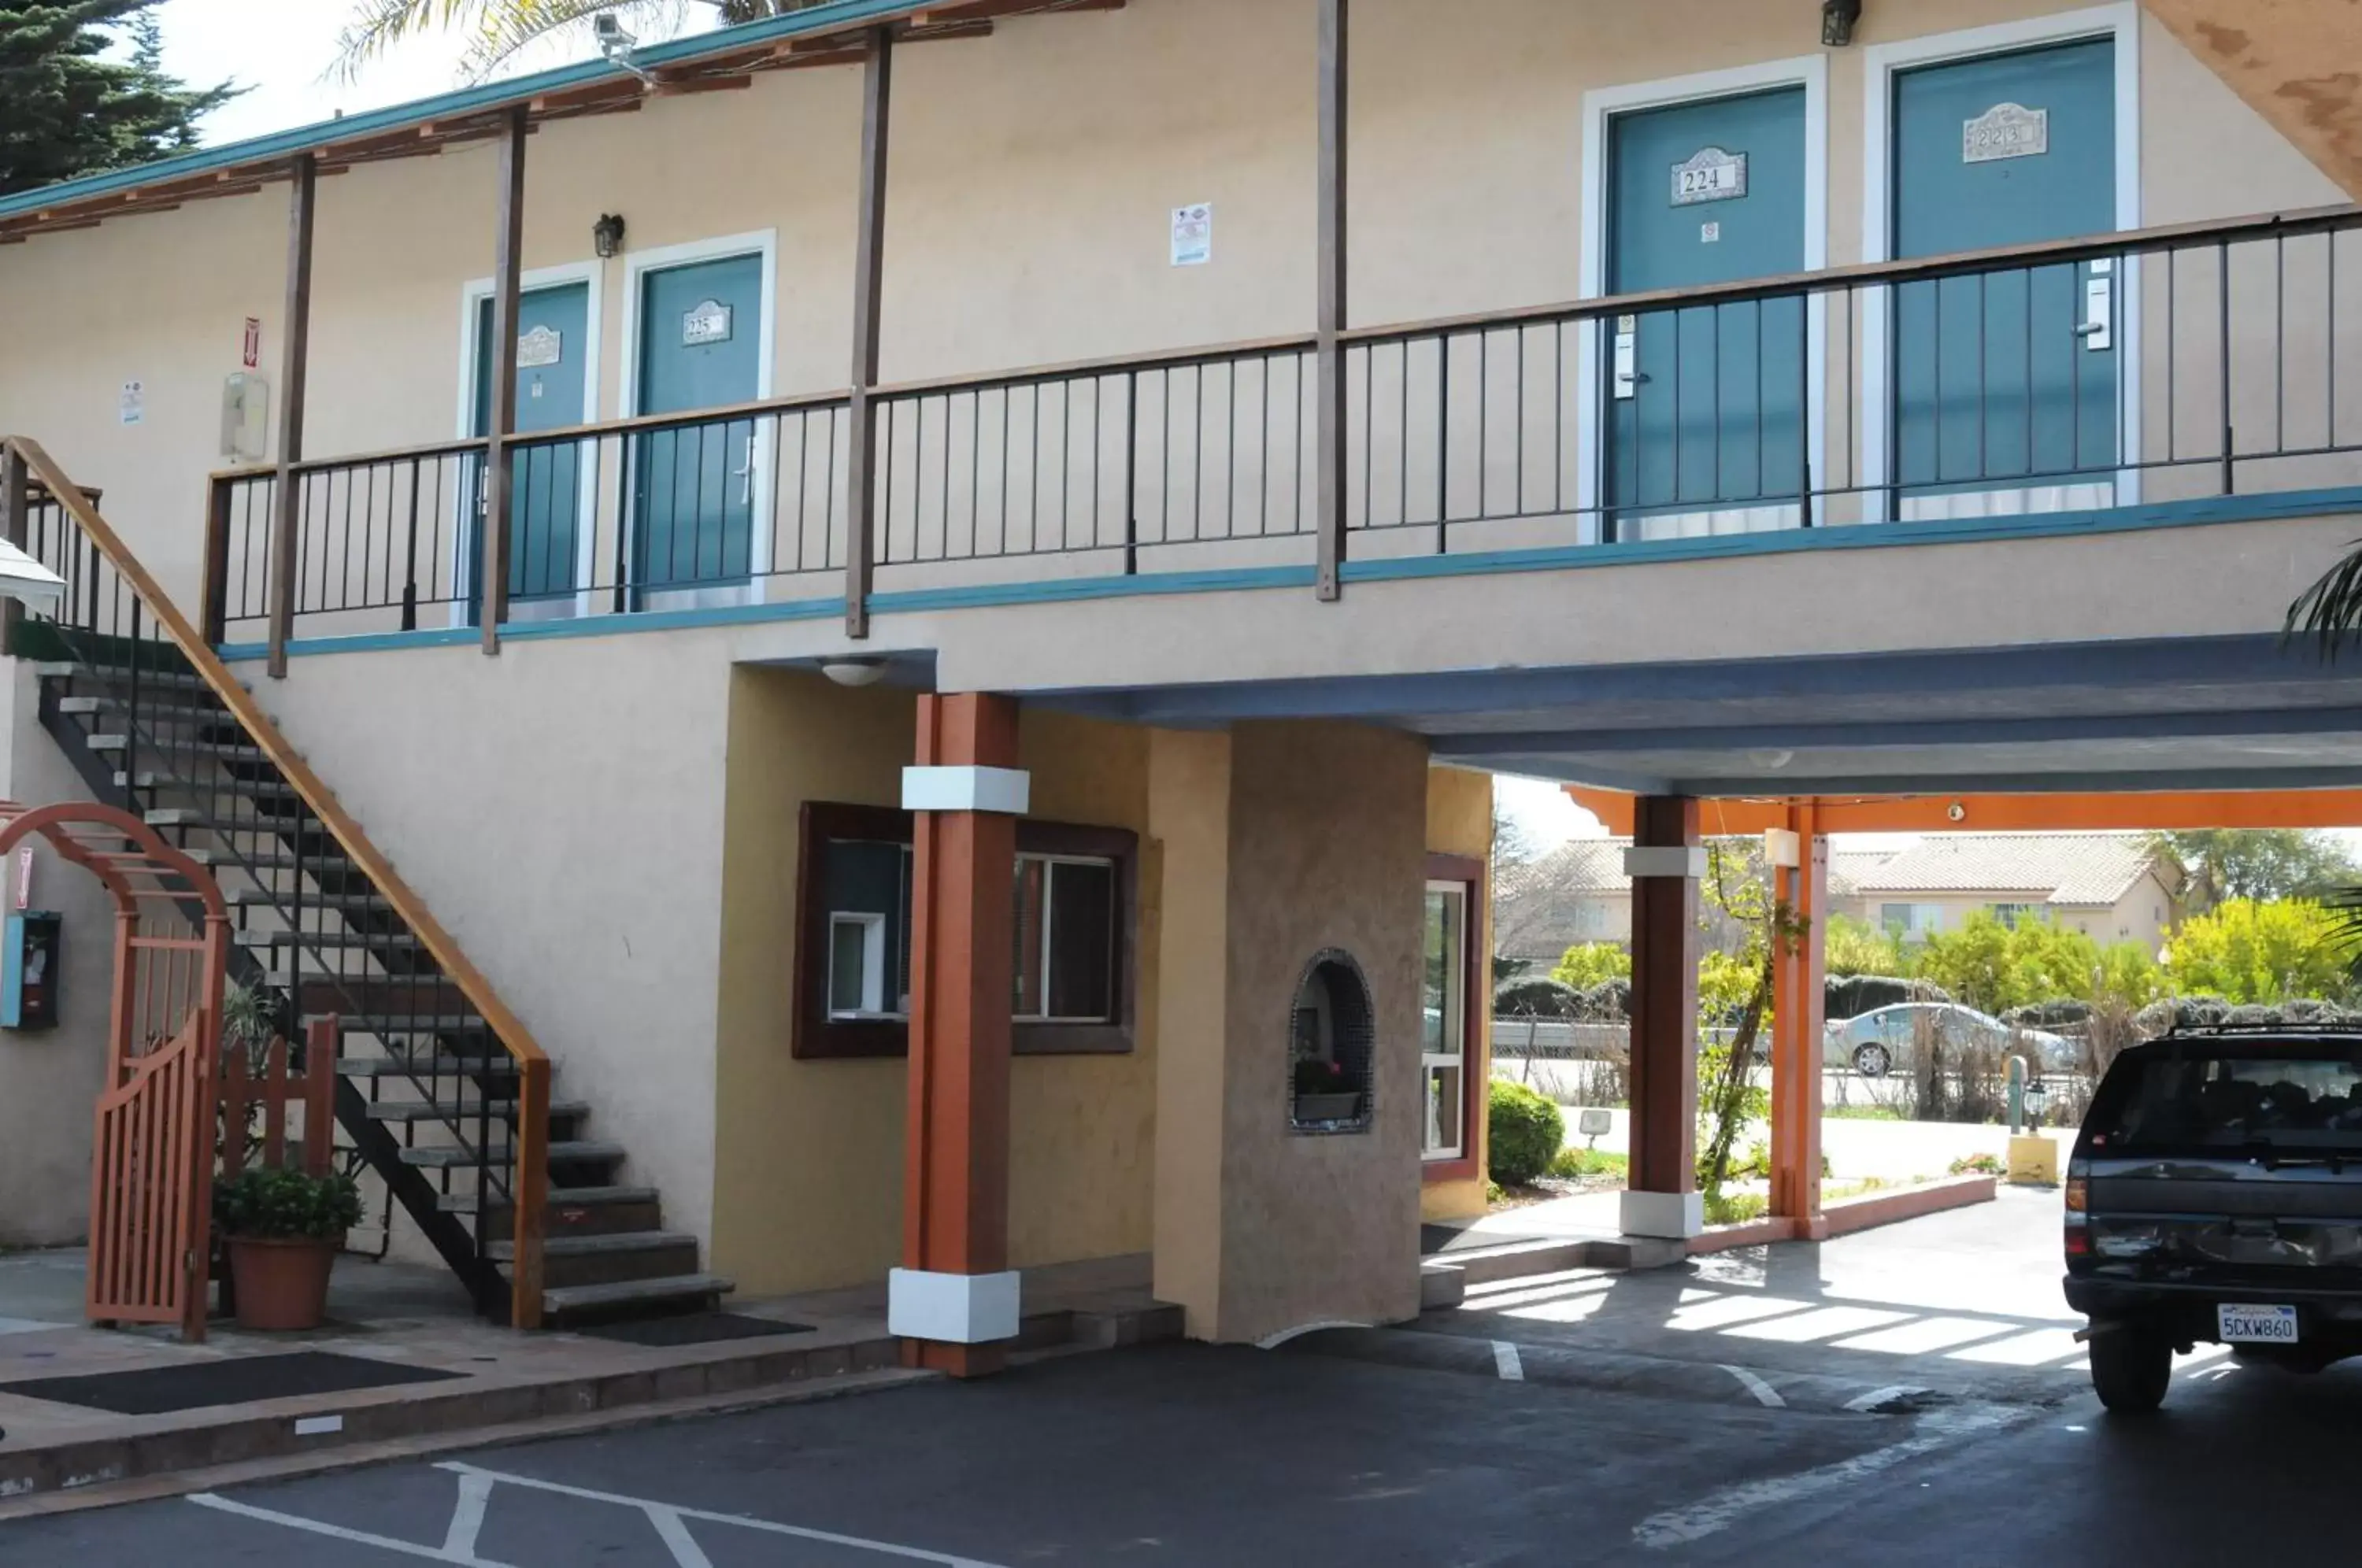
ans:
x=808 y=1155
x=1460 y=822
x=50 y=1078
x=1326 y=850
x=1032 y=176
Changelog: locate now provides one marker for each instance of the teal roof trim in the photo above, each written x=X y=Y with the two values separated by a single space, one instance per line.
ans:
x=831 y=18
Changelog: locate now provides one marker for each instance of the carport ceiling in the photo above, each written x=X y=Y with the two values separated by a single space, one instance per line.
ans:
x=2192 y=713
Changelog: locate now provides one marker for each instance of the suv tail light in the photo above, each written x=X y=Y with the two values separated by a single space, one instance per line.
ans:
x=2079 y=1195
x=2079 y=1241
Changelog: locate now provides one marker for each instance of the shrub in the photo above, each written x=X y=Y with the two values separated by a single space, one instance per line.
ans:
x=1580 y=1165
x=1736 y=1207
x=1588 y=964
x=1536 y=998
x=277 y=1205
x=1527 y=1133
x=1978 y=1165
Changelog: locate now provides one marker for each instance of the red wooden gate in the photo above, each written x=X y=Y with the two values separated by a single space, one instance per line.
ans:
x=152 y=1167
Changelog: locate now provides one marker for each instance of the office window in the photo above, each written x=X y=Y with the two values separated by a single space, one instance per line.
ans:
x=1065 y=926
x=1071 y=964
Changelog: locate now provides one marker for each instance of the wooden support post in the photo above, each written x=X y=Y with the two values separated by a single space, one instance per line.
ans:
x=16 y=520
x=1662 y=1197
x=499 y=460
x=1798 y=1004
x=1329 y=355
x=863 y=458
x=295 y=354
x=953 y=1299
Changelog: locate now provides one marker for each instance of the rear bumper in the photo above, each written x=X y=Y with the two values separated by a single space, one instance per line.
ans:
x=2186 y=1311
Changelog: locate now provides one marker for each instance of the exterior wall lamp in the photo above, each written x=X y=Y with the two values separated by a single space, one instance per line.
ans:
x=1837 y=19
x=607 y=237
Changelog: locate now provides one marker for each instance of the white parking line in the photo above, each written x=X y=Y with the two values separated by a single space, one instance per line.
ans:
x=1506 y=1361
x=338 y=1532
x=1765 y=1395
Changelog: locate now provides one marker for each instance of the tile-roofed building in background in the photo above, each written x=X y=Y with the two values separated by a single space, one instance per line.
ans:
x=2113 y=886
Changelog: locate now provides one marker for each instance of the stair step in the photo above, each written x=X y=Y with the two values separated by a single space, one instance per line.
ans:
x=263 y=789
x=563 y=1197
x=588 y=1246
x=209 y=712
x=398 y=940
x=279 y=858
x=271 y=898
x=586 y=1152
x=385 y=1023
x=119 y=674
x=634 y=1293
x=226 y=751
x=425 y=1067
x=442 y=1111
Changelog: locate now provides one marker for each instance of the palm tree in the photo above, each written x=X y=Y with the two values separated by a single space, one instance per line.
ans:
x=498 y=29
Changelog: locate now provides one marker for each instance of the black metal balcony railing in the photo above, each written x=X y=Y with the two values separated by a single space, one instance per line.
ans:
x=2169 y=365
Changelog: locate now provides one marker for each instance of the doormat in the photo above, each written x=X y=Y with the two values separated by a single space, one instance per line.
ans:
x=695 y=1329
x=232 y=1380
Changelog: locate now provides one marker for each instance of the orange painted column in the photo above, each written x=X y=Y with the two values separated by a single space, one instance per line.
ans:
x=1665 y=861
x=1798 y=1004
x=954 y=1300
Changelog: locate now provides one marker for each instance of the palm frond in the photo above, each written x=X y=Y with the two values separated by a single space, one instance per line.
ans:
x=2331 y=610
x=2345 y=908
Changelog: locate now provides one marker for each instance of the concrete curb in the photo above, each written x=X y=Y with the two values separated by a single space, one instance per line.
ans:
x=1613 y=1372
x=361 y=1456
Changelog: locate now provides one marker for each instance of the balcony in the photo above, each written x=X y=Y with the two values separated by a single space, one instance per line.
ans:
x=2127 y=381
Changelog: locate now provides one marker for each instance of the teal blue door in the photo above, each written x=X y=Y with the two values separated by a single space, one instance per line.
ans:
x=1705 y=404
x=2005 y=381
x=544 y=510
x=693 y=486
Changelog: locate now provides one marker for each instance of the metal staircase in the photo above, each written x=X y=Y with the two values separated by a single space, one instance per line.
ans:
x=440 y=1090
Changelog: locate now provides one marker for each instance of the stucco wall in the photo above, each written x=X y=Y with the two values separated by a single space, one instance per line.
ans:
x=1326 y=850
x=1460 y=822
x=50 y=1078
x=1032 y=176
x=808 y=1155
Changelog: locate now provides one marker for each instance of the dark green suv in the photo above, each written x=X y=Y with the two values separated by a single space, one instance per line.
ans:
x=2215 y=1196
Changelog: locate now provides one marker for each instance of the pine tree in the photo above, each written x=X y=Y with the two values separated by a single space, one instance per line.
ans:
x=73 y=102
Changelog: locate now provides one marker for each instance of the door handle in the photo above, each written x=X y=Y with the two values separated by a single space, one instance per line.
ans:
x=2099 y=328
x=746 y=476
x=1628 y=356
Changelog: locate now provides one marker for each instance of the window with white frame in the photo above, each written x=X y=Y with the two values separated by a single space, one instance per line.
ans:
x=867 y=886
x=1064 y=925
x=1444 y=1031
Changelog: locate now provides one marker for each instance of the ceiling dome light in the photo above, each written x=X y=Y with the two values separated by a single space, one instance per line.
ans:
x=855 y=669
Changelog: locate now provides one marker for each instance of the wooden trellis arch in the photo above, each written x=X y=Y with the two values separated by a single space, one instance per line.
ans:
x=152 y=1155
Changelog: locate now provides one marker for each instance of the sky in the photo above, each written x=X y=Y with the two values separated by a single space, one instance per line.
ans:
x=284 y=50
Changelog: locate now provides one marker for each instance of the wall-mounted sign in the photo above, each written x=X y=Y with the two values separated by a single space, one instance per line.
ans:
x=709 y=322
x=1193 y=235
x=1709 y=233
x=131 y=403
x=250 y=356
x=1713 y=175
x=2005 y=130
x=542 y=346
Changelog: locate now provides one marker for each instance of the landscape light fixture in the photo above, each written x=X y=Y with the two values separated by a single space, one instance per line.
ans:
x=1837 y=19
x=607 y=237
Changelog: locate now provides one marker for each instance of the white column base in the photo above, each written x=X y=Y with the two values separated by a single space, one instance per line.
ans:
x=951 y=1308
x=1670 y=1216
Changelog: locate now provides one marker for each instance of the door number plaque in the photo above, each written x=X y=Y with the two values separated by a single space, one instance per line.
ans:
x=2005 y=130
x=1713 y=175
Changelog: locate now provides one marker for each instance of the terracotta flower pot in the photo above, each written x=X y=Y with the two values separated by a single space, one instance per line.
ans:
x=281 y=1281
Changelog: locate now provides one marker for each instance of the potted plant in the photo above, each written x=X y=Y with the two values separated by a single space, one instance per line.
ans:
x=284 y=1229
x=1323 y=1092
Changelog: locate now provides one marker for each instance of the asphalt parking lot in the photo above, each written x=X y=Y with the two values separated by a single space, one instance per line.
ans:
x=1631 y=1435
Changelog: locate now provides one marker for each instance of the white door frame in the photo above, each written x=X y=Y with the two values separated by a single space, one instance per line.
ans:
x=1600 y=105
x=2120 y=21
x=637 y=265
x=472 y=295
x=1457 y=974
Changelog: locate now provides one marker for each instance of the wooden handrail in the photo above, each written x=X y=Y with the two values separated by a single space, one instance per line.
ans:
x=530 y=1193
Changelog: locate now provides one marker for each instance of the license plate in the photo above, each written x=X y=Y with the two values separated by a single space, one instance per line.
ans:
x=2255 y=1325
